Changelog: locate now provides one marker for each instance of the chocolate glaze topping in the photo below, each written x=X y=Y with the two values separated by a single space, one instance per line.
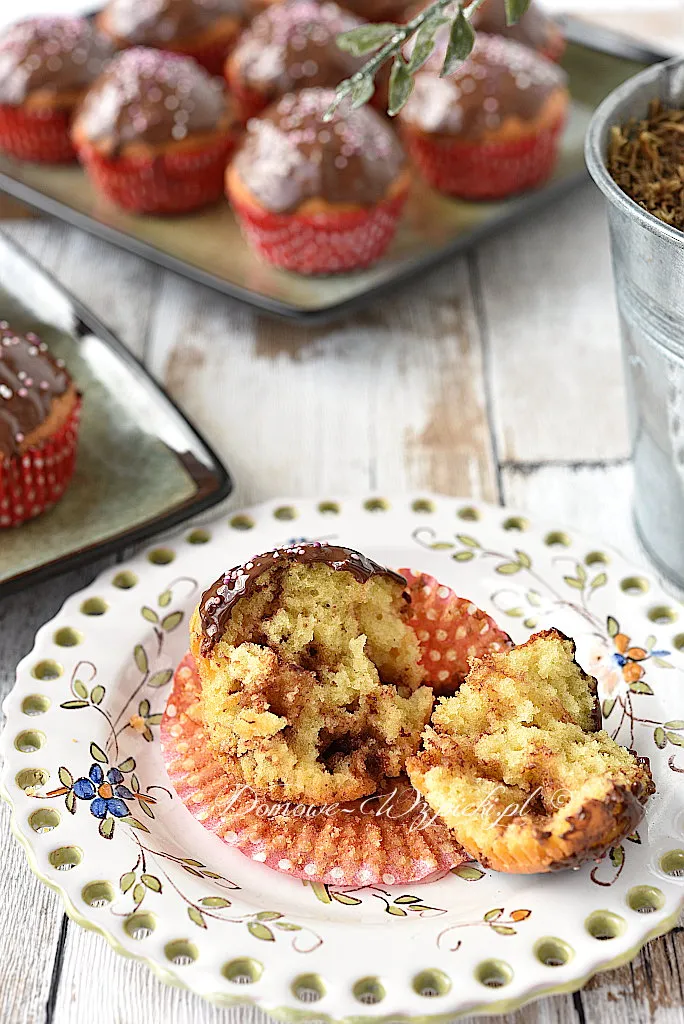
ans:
x=150 y=96
x=61 y=55
x=290 y=155
x=162 y=22
x=534 y=29
x=293 y=44
x=501 y=79
x=219 y=600
x=29 y=380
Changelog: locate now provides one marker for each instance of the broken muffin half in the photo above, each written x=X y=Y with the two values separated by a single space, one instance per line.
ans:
x=311 y=677
x=518 y=767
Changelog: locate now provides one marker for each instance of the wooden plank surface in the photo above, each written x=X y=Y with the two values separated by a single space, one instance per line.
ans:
x=498 y=376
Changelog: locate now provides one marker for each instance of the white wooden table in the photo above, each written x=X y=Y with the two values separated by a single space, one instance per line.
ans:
x=498 y=376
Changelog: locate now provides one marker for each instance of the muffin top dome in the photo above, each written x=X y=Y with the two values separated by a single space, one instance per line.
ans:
x=218 y=602
x=55 y=55
x=292 y=45
x=160 y=22
x=30 y=380
x=150 y=96
x=501 y=81
x=290 y=155
x=535 y=29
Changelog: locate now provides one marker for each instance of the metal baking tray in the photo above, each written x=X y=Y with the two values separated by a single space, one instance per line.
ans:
x=141 y=467
x=207 y=246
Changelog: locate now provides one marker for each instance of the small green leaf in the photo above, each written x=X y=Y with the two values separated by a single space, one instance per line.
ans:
x=70 y=802
x=407 y=899
x=106 y=828
x=135 y=784
x=469 y=542
x=69 y=705
x=395 y=911
x=151 y=882
x=154 y=719
x=529 y=623
x=493 y=915
x=442 y=545
x=463 y=556
x=65 y=777
x=634 y=837
x=468 y=872
x=192 y=871
x=366 y=38
x=524 y=560
x=97 y=753
x=197 y=917
x=161 y=678
x=215 y=902
x=400 y=86
x=424 y=43
x=503 y=929
x=607 y=707
x=321 y=893
x=581 y=573
x=97 y=694
x=171 y=621
x=268 y=915
x=362 y=91
x=287 y=926
x=599 y=581
x=662 y=663
x=128 y=765
x=347 y=901
x=193 y=863
x=612 y=626
x=212 y=874
x=515 y=10
x=508 y=568
x=164 y=599
x=461 y=40
x=149 y=614
x=617 y=856
x=515 y=613
x=675 y=738
x=640 y=687
x=126 y=881
x=145 y=809
x=138 y=893
x=260 y=931
x=134 y=823
x=80 y=689
x=675 y=723
x=659 y=737
x=534 y=598
x=144 y=708
x=140 y=657
x=572 y=581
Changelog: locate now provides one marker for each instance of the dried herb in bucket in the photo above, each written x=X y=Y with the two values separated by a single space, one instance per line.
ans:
x=646 y=159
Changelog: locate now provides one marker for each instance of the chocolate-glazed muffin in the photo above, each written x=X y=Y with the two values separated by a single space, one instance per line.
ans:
x=369 y=10
x=46 y=65
x=491 y=128
x=310 y=676
x=315 y=196
x=39 y=416
x=154 y=132
x=203 y=29
x=288 y=47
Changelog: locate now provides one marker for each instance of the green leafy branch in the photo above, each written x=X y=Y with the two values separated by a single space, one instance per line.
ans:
x=386 y=41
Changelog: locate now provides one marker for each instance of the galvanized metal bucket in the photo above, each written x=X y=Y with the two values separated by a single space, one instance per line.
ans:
x=648 y=263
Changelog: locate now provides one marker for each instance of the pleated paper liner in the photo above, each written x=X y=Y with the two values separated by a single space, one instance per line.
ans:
x=390 y=838
x=451 y=630
x=39 y=135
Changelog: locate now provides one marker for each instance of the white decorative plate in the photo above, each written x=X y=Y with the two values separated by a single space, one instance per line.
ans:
x=93 y=807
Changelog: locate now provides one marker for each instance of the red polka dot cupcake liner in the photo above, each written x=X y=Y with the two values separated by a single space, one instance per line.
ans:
x=40 y=135
x=322 y=243
x=451 y=630
x=35 y=480
x=390 y=838
x=177 y=181
x=487 y=170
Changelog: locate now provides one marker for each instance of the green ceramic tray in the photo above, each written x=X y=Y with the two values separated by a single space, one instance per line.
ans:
x=208 y=247
x=141 y=467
